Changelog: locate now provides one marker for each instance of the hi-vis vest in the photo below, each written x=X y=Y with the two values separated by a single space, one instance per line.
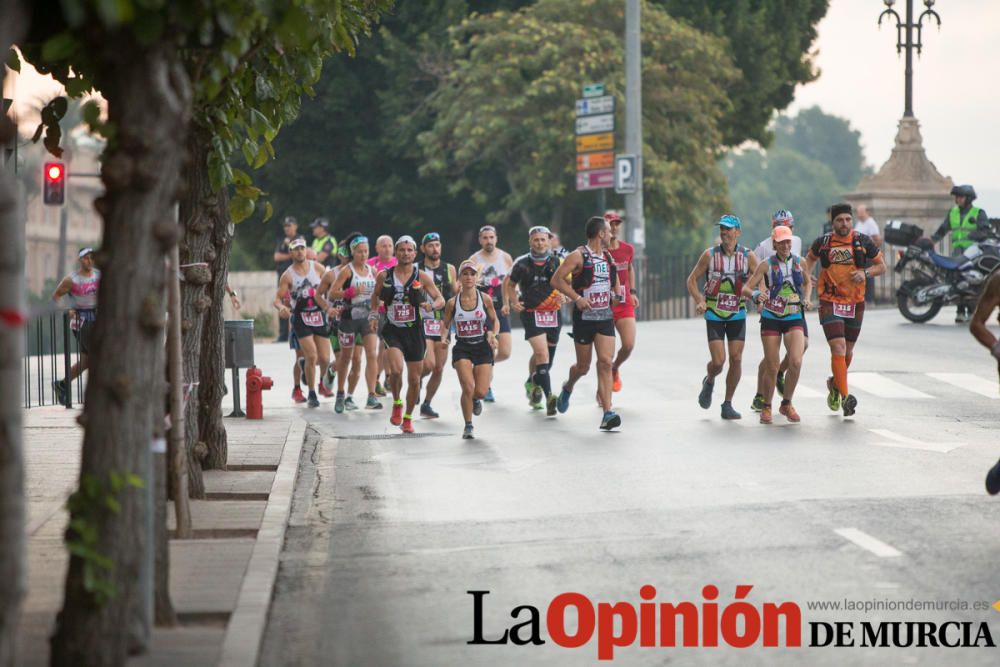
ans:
x=960 y=227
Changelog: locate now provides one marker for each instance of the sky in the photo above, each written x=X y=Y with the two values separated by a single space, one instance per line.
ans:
x=955 y=92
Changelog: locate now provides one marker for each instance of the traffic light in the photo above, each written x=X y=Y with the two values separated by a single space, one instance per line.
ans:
x=54 y=183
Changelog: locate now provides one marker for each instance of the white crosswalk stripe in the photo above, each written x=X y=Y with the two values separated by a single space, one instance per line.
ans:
x=970 y=382
x=883 y=387
x=903 y=442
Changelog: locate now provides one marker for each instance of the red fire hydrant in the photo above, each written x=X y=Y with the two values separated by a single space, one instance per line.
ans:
x=256 y=383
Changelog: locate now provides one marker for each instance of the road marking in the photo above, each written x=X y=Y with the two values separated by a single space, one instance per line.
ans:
x=869 y=543
x=903 y=442
x=969 y=382
x=881 y=386
x=805 y=392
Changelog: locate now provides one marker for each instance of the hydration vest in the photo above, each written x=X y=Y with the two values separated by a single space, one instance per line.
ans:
x=408 y=293
x=717 y=269
x=860 y=256
x=776 y=278
x=584 y=278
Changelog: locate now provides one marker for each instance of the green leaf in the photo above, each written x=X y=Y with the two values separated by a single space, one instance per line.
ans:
x=76 y=86
x=268 y=211
x=260 y=124
x=249 y=149
x=115 y=12
x=13 y=61
x=261 y=158
x=59 y=47
x=131 y=478
x=240 y=208
x=116 y=481
x=240 y=177
x=249 y=191
x=112 y=504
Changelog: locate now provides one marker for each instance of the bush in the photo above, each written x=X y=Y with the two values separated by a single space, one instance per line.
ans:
x=263 y=323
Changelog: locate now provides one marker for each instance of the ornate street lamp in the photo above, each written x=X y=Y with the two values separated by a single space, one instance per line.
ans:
x=904 y=39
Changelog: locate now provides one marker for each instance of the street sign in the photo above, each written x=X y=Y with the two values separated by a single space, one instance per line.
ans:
x=595 y=124
x=595 y=180
x=595 y=142
x=593 y=90
x=595 y=105
x=626 y=174
x=585 y=161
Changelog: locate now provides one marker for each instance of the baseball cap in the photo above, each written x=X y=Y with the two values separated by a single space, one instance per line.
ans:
x=430 y=236
x=406 y=238
x=297 y=243
x=781 y=233
x=290 y=220
x=730 y=222
x=321 y=222
x=611 y=216
x=467 y=265
x=84 y=252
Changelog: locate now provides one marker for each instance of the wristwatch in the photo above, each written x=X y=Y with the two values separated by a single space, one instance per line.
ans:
x=232 y=292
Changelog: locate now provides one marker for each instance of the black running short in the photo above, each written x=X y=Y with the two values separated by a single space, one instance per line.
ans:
x=732 y=329
x=408 y=340
x=836 y=325
x=478 y=353
x=584 y=331
x=302 y=330
x=531 y=329
x=85 y=336
x=772 y=327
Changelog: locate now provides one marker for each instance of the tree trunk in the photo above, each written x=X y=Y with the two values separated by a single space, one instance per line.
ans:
x=12 y=511
x=149 y=100
x=200 y=209
x=211 y=429
x=177 y=484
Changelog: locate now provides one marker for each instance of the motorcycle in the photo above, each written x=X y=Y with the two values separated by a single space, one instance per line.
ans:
x=938 y=280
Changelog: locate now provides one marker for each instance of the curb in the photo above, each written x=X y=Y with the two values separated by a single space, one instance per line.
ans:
x=245 y=630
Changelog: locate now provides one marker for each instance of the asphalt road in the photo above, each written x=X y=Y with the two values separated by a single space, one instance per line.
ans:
x=388 y=533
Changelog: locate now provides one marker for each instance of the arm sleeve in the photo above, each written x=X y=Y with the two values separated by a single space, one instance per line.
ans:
x=942 y=230
x=983 y=221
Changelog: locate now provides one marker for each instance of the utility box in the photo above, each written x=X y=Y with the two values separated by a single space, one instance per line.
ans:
x=238 y=343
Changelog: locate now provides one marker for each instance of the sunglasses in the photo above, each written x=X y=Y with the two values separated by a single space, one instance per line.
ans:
x=432 y=236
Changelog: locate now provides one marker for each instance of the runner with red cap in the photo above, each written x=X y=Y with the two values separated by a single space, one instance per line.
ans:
x=624 y=313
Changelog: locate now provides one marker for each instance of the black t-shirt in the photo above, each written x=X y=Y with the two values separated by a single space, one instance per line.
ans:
x=282 y=247
x=533 y=279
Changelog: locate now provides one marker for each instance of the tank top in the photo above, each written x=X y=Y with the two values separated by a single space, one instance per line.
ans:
x=784 y=282
x=361 y=302
x=401 y=300
x=470 y=325
x=304 y=296
x=724 y=284
x=83 y=291
x=491 y=275
x=598 y=292
x=442 y=279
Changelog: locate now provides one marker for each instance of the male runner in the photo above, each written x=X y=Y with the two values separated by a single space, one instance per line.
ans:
x=493 y=265
x=401 y=291
x=538 y=306
x=843 y=255
x=624 y=313
x=437 y=346
x=764 y=251
x=308 y=316
x=81 y=287
x=725 y=268
x=783 y=303
x=593 y=290
x=384 y=259
x=988 y=302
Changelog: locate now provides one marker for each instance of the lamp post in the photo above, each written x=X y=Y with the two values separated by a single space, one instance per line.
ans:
x=904 y=39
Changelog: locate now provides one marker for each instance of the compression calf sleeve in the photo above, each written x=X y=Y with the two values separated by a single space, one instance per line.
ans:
x=839 y=365
x=541 y=378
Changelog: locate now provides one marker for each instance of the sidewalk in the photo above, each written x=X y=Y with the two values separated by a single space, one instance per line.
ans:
x=220 y=582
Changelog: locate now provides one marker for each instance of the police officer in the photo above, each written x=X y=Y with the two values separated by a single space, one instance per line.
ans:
x=962 y=220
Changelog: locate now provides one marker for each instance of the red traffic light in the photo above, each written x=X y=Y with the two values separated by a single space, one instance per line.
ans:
x=54 y=177
x=54 y=171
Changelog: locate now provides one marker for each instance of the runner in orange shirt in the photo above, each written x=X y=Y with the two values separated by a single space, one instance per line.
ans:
x=843 y=254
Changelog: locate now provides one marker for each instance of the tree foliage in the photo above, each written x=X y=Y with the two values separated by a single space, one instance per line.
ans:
x=825 y=138
x=507 y=101
x=770 y=42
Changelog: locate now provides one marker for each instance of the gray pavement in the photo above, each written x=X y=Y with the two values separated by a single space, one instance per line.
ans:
x=388 y=533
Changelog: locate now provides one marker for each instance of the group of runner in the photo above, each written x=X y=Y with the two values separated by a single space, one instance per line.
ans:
x=778 y=279
x=398 y=316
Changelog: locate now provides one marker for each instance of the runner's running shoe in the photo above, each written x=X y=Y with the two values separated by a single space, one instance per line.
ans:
x=611 y=420
x=765 y=415
x=550 y=405
x=616 y=381
x=324 y=392
x=350 y=404
x=562 y=403
x=789 y=411
x=338 y=405
x=993 y=480
x=489 y=396
x=329 y=380
x=850 y=404
x=373 y=403
x=427 y=411
x=477 y=407
x=529 y=386
x=312 y=401
x=407 y=426
x=779 y=384
x=729 y=413
x=467 y=432
x=380 y=390
x=757 y=404
x=298 y=396
x=59 y=389
x=396 y=418
x=536 y=397
x=705 y=397
x=832 y=398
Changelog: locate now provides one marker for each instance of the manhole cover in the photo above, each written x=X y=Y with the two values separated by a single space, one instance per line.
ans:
x=392 y=436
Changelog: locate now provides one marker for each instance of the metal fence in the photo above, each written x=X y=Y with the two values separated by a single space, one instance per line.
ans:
x=50 y=350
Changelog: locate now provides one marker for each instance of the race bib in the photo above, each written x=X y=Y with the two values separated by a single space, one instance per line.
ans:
x=599 y=298
x=346 y=339
x=776 y=305
x=546 y=319
x=403 y=313
x=432 y=327
x=469 y=328
x=312 y=318
x=728 y=303
x=845 y=310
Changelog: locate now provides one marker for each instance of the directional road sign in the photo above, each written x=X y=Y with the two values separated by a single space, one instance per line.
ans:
x=586 y=161
x=626 y=174
x=590 y=106
x=595 y=124
x=595 y=142
x=593 y=90
x=595 y=180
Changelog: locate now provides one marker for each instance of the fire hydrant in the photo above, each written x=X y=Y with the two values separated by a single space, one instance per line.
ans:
x=256 y=383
